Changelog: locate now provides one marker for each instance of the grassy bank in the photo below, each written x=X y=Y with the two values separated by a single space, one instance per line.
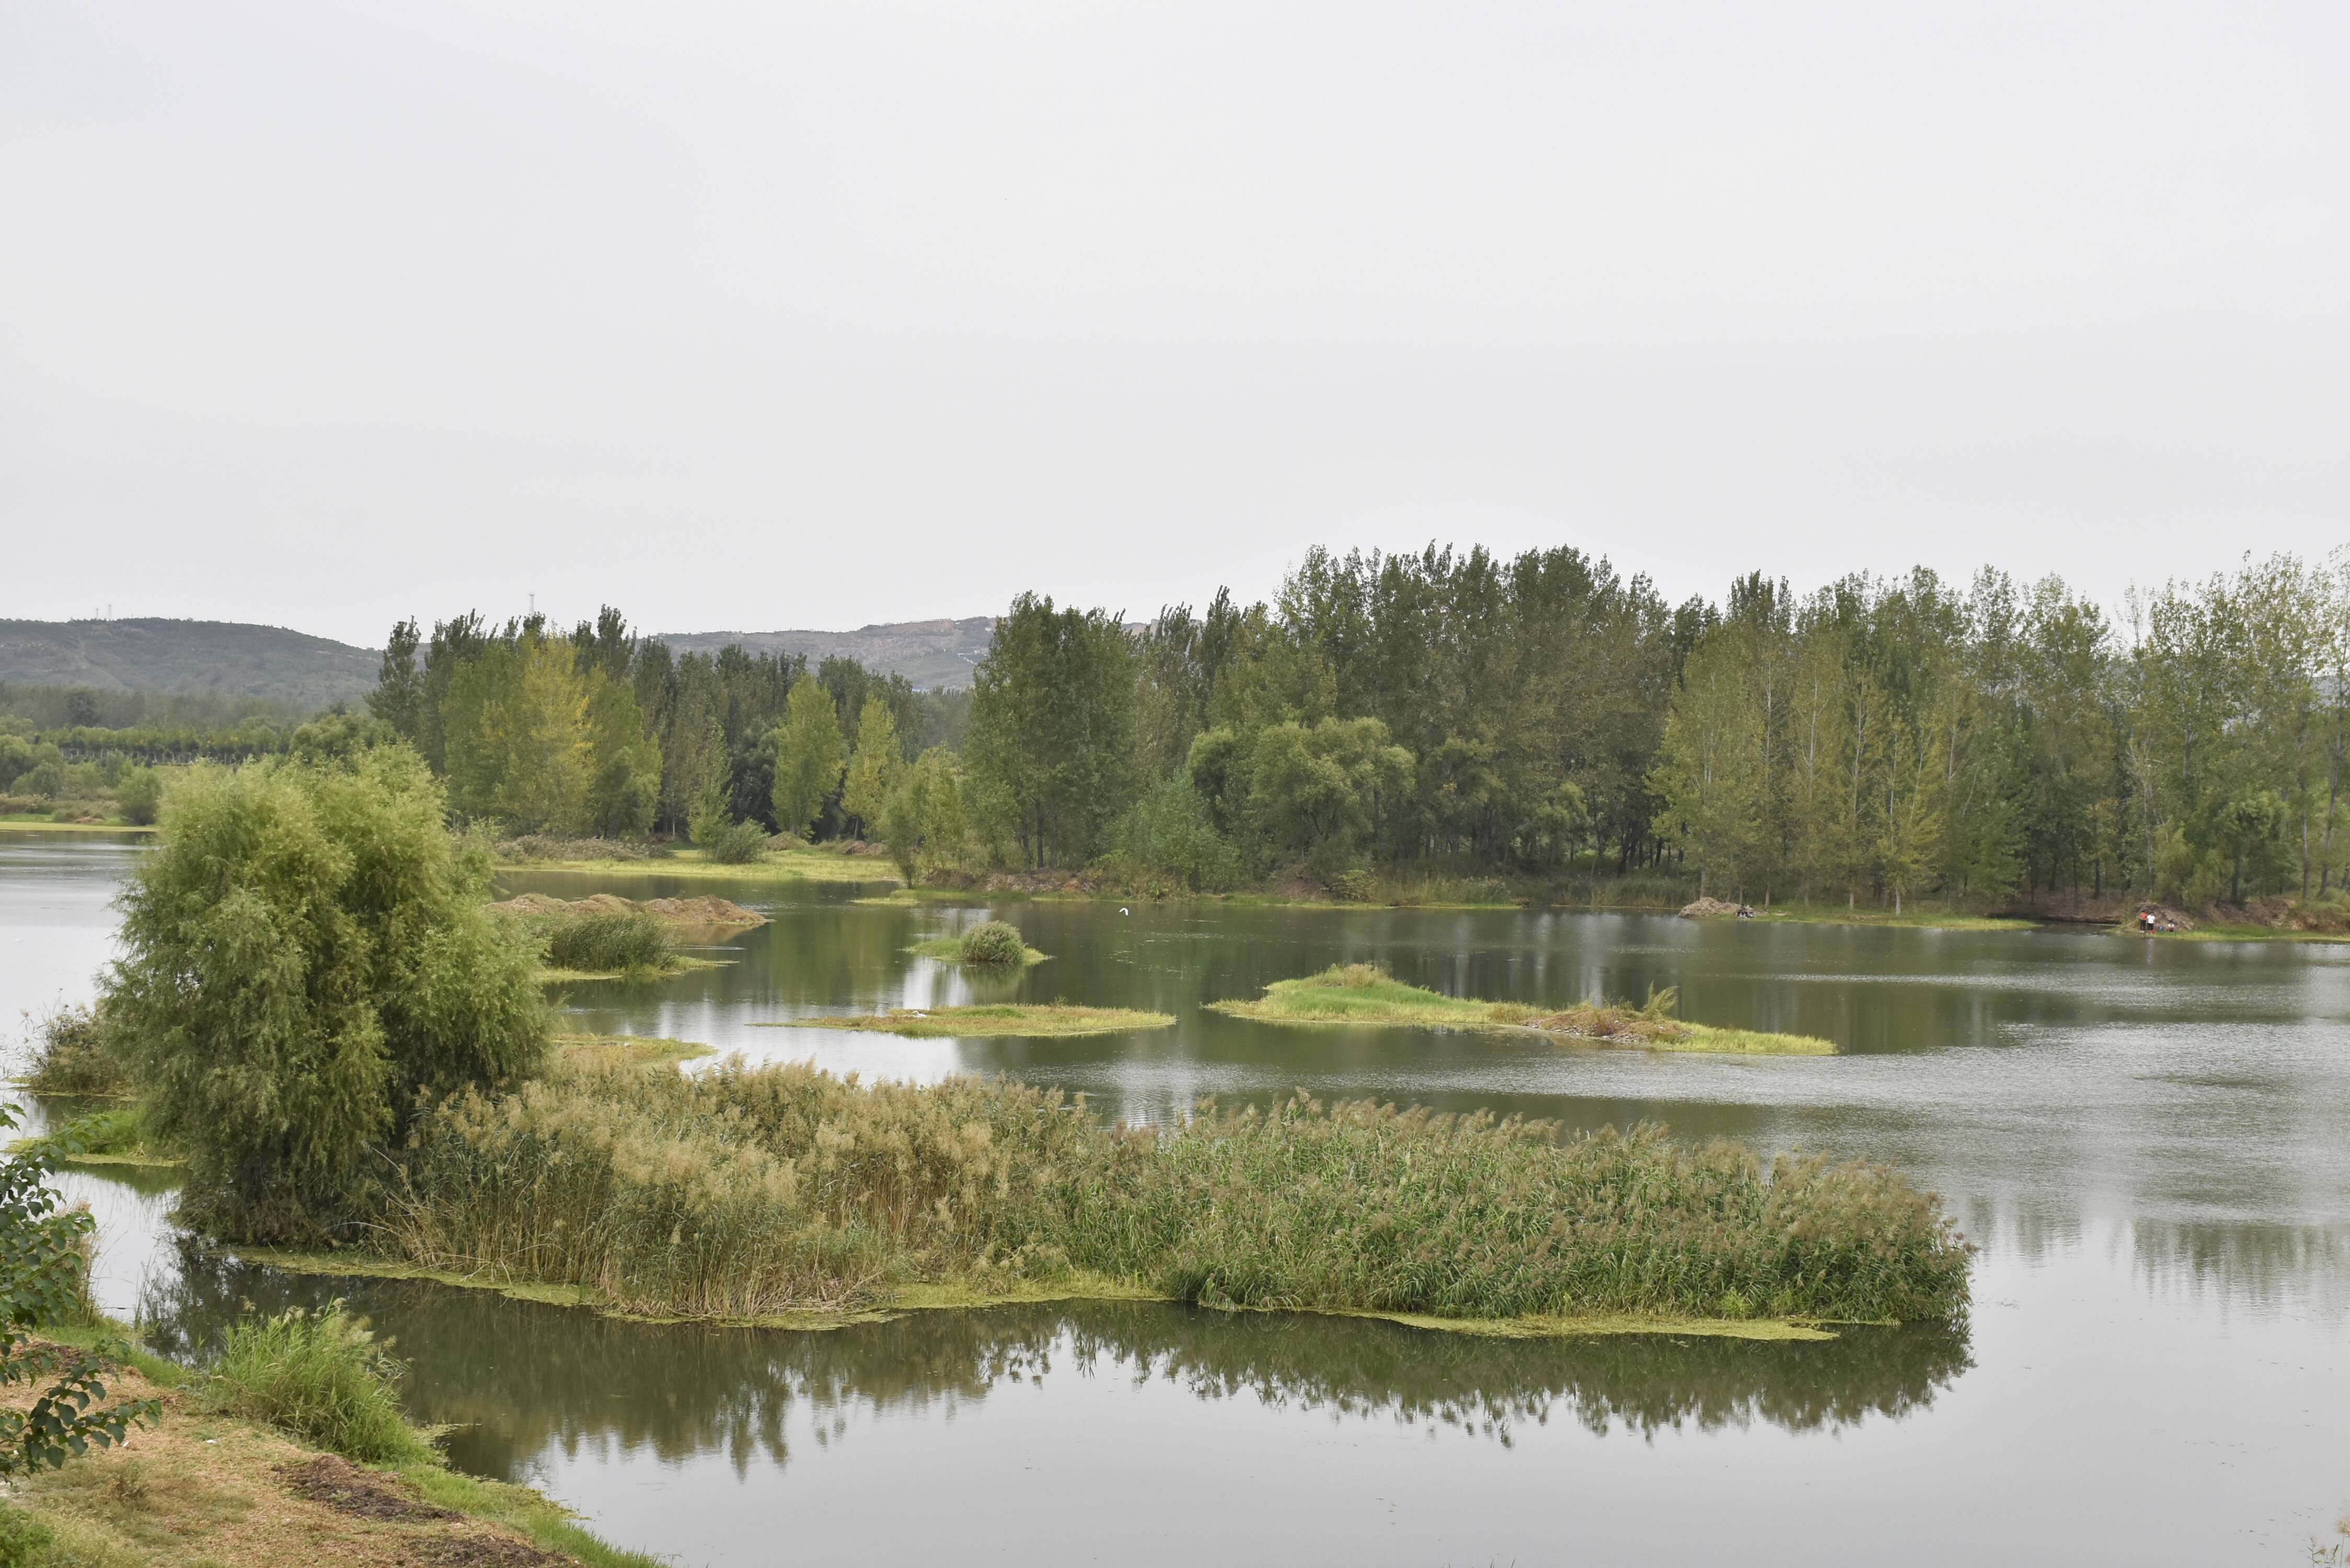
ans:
x=209 y=1485
x=782 y=1193
x=1922 y=920
x=31 y=824
x=1367 y=995
x=778 y=865
x=1038 y=1020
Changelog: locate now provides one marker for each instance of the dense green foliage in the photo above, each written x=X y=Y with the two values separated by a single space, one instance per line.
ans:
x=320 y=1377
x=992 y=942
x=809 y=756
x=1448 y=715
x=76 y=1052
x=1883 y=739
x=304 y=956
x=751 y=1190
x=44 y=1276
x=599 y=944
x=601 y=731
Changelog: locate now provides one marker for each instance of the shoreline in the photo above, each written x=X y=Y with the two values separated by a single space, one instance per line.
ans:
x=949 y=1297
x=105 y=1505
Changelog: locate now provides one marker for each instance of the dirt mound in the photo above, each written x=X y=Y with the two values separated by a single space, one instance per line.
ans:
x=706 y=910
x=347 y=1489
x=2163 y=918
x=1709 y=909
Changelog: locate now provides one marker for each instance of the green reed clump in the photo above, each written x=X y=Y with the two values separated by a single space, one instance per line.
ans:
x=753 y=1190
x=75 y=1052
x=994 y=942
x=1366 y=1206
x=597 y=944
x=320 y=1377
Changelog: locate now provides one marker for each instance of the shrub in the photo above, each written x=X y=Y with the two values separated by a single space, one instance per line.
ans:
x=44 y=1279
x=597 y=943
x=139 y=796
x=25 y=1541
x=320 y=1377
x=737 y=844
x=305 y=955
x=994 y=942
x=75 y=1052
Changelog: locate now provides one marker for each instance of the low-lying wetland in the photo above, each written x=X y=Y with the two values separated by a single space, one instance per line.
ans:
x=1366 y=994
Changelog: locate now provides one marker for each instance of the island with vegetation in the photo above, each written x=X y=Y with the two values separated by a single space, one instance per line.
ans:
x=1040 y=1020
x=1366 y=994
x=253 y=942
x=990 y=944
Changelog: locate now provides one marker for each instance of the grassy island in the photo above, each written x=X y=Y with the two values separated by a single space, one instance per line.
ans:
x=1041 y=1020
x=991 y=944
x=1366 y=994
x=783 y=1194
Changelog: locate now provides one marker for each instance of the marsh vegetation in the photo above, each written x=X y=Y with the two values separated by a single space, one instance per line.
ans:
x=1363 y=993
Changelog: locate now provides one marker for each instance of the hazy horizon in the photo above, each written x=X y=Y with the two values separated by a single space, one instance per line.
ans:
x=818 y=316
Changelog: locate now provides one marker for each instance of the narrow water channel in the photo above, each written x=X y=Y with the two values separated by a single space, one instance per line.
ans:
x=2150 y=1142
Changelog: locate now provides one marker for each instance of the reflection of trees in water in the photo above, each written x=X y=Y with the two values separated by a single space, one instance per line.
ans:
x=2249 y=1265
x=520 y=1378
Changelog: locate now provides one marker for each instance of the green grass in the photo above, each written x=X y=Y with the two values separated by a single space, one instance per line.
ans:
x=784 y=1194
x=990 y=944
x=321 y=1378
x=1040 y=1020
x=26 y=823
x=116 y=1136
x=781 y=865
x=1365 y=994
x=676 y=966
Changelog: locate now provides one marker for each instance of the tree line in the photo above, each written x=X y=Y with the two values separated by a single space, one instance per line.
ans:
x=597 y=731
x=1457 y=712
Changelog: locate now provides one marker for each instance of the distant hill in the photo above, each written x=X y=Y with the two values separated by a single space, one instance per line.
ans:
x=236 y=659
x=225 y=657
x=932 y=654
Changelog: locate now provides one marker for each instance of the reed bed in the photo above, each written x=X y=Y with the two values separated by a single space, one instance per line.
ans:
x=763 y=1191
x=607 y=943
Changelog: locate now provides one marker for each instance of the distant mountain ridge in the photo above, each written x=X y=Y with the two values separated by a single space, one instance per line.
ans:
x=934 y=654
x=236 y=659
x=231 y=657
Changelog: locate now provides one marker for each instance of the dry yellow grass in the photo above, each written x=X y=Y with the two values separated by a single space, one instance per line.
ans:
x=213 y=1492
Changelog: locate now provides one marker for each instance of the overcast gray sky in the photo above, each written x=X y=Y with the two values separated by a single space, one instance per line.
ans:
x=805 y=315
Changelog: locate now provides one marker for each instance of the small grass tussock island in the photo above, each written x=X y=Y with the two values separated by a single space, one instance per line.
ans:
x=1035 y=1019
x=764 y=1192
x=991 y=944
x=1362 y=993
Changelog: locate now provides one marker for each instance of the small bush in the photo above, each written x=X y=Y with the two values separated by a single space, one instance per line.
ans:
x=994 y=942
x=737 y=844
x=322 y=1378
x=597 y=943
x=24 y=1541
x=140 y=796
x=74 y=1052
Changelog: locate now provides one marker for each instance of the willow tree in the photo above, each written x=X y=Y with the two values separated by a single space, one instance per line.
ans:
x=306 y=959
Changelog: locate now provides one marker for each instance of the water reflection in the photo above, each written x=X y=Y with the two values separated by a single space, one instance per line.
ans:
x=521 y=1379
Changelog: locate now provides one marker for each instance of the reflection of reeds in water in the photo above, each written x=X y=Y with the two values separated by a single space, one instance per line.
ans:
x=523 y=1377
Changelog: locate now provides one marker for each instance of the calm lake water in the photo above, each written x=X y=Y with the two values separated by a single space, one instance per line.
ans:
x=2149 y=1142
